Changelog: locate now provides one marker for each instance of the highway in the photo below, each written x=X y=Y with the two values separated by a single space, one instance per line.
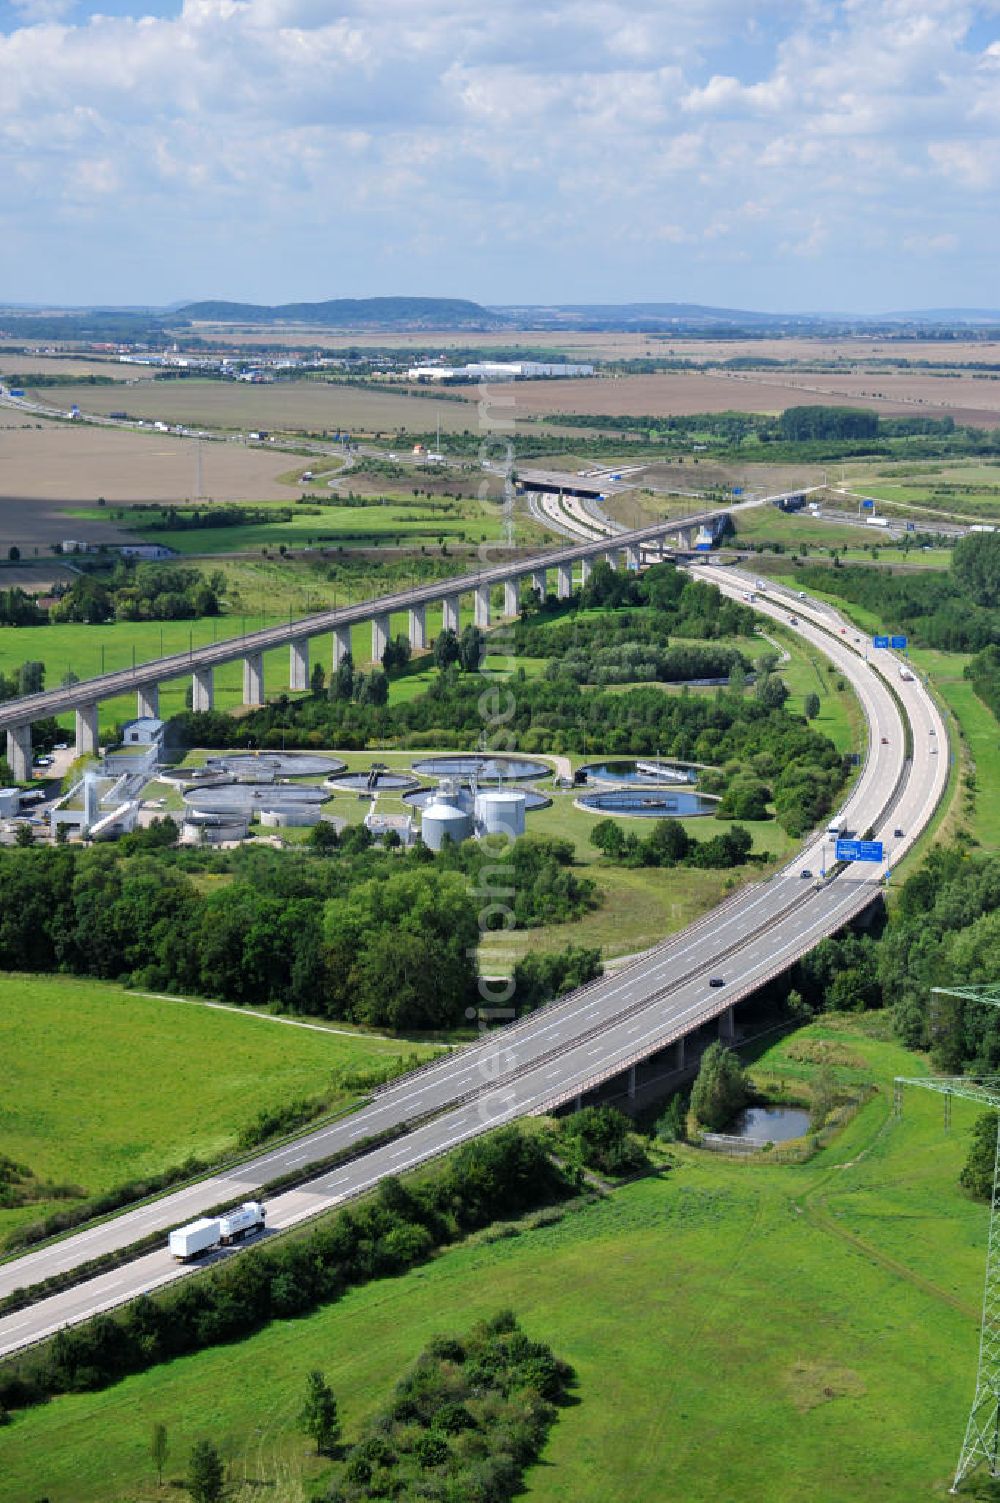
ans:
x=548 y=1058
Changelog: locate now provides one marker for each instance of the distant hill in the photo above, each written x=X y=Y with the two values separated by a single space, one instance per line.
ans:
x=351 y=313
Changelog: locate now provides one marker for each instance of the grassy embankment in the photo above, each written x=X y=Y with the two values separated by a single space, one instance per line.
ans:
x=788 y=1300
x=103 y=1086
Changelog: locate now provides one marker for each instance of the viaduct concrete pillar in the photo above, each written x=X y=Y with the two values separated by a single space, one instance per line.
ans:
x=86 y=731
x=512 y=596
x=482 y=616
x=202 y=689
x=147 y=702
x=586 y=569
x=418 y=627
x=564 y=581
x=727 y=1024
x=631 y=1082
x=634 y=557
x=253 y=679
x=613 y=557
x=680 y=1058
x=380 y=637
x=298 y=664
x=341 y=645
x=538 y=582
x=19 y=752
x=449 y=613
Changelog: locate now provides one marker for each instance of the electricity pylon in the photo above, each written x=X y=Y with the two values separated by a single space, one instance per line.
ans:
x=982 y=1433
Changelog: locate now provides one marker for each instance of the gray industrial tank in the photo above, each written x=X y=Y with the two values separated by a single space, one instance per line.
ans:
x=501 y=811
x=441 y=819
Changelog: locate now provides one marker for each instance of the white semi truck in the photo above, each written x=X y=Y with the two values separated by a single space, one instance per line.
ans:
x=186 y=1242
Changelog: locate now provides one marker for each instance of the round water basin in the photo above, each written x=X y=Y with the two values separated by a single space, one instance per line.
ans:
x=648 y=803
x=485 y=768
x=771 y=1124
x=421 y=797
x=633 y=770
x=374 y=780
x=265 y=765
x=249 y=798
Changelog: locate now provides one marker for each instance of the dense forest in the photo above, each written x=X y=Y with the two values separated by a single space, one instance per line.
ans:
x=141 y=592
x=381 y=938
x=957 y=610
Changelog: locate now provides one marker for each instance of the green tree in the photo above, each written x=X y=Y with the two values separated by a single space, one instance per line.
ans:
x=159 y=1449
x=342 y=683
x=13 y=553
x=977 y=1172
x=317 y=679
x=722 y=1088
x=318 y=1417
x=445 y=648
x=24 y=836
x=31 y=677
x=205 y=1473
x=975 y=566
x=812 y=706
x=471 y=649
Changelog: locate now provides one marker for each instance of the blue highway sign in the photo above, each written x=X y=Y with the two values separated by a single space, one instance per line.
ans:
x=868 y=505
x=898 y=644
x=859 y=850
x=880 y=641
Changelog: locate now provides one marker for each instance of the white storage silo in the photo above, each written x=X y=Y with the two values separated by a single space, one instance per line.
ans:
x=501 y=812
x=441 y=819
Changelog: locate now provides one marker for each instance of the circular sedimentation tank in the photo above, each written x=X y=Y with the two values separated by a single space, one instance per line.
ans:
x=648 y=803
x=264 y=766
x=251 y=798
x=420 y=798
x=481 y=766
x=639 y=771
x=372 y=780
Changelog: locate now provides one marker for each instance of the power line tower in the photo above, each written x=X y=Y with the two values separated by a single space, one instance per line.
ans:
x=982 y=1433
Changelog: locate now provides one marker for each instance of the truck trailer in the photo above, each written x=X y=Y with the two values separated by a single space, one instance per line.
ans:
x=210 y=1232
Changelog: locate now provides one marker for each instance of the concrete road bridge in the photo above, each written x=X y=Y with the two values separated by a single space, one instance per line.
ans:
x=569 y=564
x=611 y=1034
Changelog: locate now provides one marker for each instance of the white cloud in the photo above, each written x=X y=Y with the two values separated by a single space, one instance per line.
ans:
x=388 y=138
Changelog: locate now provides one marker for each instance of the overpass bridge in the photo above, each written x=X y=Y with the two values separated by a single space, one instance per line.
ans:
x=570 y=563
x=600 y=1033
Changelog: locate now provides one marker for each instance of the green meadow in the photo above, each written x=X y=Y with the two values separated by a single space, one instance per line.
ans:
x=102 y=1085
x=739 y=1330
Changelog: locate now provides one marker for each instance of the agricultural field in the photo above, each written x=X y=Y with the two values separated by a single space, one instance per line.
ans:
x=664 y=1296
x=313 y=406
x=66 y=464
x=103 y=1086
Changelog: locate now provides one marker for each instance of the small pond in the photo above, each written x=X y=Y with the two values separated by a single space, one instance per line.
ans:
x=631 y=770
x=486 y=769
x=649 y=803
x=771 y=1124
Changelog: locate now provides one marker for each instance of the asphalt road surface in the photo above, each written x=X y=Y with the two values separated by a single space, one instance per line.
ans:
x=547 y=1059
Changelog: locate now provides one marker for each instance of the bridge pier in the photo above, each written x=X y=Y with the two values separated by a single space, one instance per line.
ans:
x=380 y=637
x=341 y=645
x=613 y=558
x=727 y=1024
x=680 y=1057
x=418 y=627
x=512 y=596
x=450 y=614
x=147 y=702
x=482 y=609
x=298 y=664
x=586 y=569
x=202 y=689
x=538 y=582
x=564 y=581
x=86 y=731
x=253 y=679
x=631 y=1082
x=633 y=557
x=19 y=752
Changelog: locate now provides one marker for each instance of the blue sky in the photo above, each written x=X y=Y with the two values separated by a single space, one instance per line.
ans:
x=777 y=155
